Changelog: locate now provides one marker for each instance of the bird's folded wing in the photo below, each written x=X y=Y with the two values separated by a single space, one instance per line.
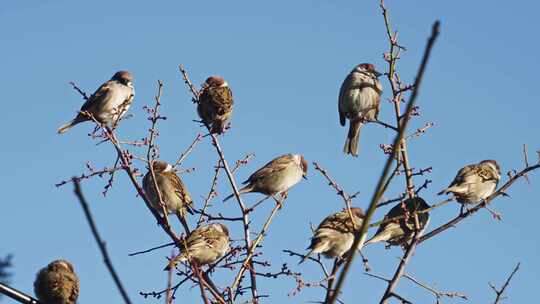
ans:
x=97 y=97
x=276 y=165
x=222 y=98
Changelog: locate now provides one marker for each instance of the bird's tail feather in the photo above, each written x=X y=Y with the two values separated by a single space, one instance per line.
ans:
x=181 y=214
x=173 y=262
x=317 y=246
x=456 y=189
x=445 y=191
x=218 y=127
x=246 y=189
x=65 y=127
x=351 y=143
x=380 y=237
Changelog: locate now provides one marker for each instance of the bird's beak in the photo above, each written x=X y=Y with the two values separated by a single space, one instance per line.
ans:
x=377 y=73
x=304 y=177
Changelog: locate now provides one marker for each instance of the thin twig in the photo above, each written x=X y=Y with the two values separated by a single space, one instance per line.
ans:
x=251 y=249
x=197 y=271
x=211 y=192
x=318 y=260
x=151 y=153
x=100 y=242
x=76 y=88
x=151 y=249
x=411 y=248
x=500 y=293
x=17 y=295
x=438 y=294
x=185 y=154
x=169 y=295
x=329 y=285
x=92 y=173
x=190 y=85
x=346 y=197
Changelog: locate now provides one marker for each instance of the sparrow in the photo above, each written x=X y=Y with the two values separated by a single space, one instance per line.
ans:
x=359 y=100
x=475 y=182
x=215 y=104
x=174 y=193
x=57 y=283
x=400 y=231
x=108 y=103
x=205 y=245
x=277 y=176
x=335 y=234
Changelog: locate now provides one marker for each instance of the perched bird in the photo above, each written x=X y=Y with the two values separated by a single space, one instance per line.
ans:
x=174 y=193
x=335 y=234
x=400 y=231
x=474 y=183
x=215 y=104
x=277 y=176
x=57 y=283
x=109 y=103
x=205 y=245
x=359 y=99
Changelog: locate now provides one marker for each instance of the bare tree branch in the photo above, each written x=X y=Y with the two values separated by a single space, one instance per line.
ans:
x=100 y=242
x=17 y=295
x=361 y=235
x=500 y=293
x=410 y=250
x=438 y=294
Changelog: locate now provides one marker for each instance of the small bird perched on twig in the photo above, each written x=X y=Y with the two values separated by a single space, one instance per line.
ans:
x=335 y=234
x=174 y=193
x=474 y=183
x=359 y=100
x=215 y=104
x=57 y=283
x=277 y=176
x=205 y=245
x=108 y=104
x=400 y=231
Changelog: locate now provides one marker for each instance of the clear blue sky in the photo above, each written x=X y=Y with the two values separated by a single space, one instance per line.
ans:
x=285 y=61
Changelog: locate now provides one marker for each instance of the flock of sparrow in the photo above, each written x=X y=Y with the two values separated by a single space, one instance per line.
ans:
x=359 y=102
